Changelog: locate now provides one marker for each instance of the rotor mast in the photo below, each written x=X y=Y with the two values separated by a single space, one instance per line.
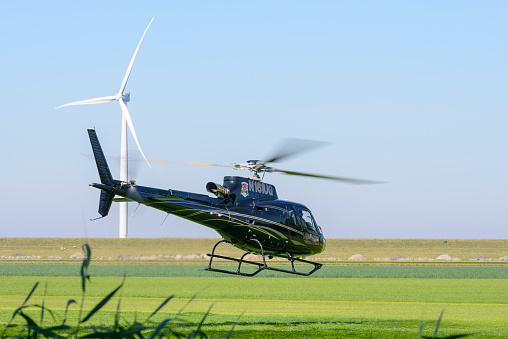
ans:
x=254 y=168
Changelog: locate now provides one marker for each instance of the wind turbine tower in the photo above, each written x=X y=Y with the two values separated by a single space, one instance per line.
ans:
x=122 y=99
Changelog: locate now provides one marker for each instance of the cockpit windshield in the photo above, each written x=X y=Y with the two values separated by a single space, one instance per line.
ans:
x=307 y=221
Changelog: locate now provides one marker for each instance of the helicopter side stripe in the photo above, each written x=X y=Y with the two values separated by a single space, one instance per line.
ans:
x=258 y=218
x=212 y=219
x=185 y=202
x=182 y=203
x=195 y=213
x=191 y=209
x=183 y=209
x=271 y=232
x=220 y=211
x=282 y=235
x=188 y=216
x=266 y=220
x=263 y=231
x=240 y=221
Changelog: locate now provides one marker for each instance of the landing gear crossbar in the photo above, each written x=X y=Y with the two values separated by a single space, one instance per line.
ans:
x=260 y=265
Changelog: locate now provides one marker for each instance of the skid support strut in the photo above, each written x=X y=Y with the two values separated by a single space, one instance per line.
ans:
x=260 y=265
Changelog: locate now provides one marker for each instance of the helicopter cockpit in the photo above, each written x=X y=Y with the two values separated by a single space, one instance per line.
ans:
x=307 y=222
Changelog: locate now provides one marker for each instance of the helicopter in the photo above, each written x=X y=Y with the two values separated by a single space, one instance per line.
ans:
x=246 y=212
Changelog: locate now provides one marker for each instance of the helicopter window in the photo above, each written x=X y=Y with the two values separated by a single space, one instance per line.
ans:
x=319 y=230
x=306 y=220
x=293 y=218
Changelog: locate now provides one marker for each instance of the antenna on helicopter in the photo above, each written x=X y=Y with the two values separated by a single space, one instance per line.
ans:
x=163 y=221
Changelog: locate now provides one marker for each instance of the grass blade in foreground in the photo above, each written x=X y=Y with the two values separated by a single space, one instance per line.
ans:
x=32 y=330
x=101 y=303
x=161 y=306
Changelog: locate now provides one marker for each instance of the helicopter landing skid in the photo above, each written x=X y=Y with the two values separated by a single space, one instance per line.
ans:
x=261 y=266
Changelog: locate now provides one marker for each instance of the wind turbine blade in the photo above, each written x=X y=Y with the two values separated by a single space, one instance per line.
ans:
x=90 y=101
x=126 y=77
x=127 y=116
x=131 y=159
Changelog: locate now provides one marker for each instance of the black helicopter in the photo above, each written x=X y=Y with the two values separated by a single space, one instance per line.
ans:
x=246 y=212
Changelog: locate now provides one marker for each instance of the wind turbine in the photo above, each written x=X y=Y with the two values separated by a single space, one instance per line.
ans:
x=122 y=99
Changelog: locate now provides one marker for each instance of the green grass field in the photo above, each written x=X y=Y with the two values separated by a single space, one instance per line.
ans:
x=387 y=307
x=349 y=271
x=345 y=300
x=335 y=248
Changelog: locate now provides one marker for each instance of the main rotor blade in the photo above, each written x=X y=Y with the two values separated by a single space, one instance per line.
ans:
x=127 y=116
x=291 y=147
x=90 y=101
x=179 y=162
x=203 y=164
x=127 y=74
x=342 y=179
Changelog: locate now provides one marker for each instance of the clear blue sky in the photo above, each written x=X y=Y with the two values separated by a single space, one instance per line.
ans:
x=411 y=93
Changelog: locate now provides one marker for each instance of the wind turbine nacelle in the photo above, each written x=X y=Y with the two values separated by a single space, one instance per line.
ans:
x=219 y=190
x=126 y=97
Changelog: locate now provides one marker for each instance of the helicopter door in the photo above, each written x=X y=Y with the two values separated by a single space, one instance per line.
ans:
x=293 y=219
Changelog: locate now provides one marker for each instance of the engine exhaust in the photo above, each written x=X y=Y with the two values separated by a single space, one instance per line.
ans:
x=219 y=190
